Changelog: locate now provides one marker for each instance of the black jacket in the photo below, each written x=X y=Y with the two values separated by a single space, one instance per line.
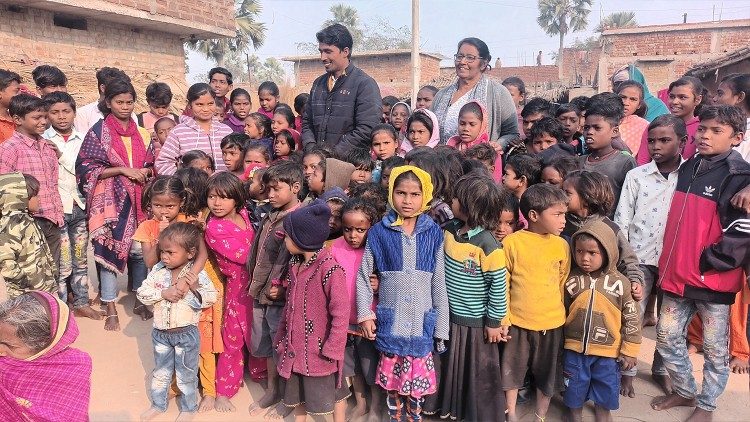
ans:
x=343 y=118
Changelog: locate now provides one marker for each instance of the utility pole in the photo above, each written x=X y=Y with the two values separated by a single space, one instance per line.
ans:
x=415 y=62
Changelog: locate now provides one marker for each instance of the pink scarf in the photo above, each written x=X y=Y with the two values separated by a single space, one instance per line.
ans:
x=138 y=151
x=54 y=384
x=406 y=145
x=482 y=138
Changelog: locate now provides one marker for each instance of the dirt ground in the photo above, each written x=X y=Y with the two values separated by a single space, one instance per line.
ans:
x=123 y=362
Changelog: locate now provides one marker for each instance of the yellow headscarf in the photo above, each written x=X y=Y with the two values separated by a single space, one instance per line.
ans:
x=424 y=179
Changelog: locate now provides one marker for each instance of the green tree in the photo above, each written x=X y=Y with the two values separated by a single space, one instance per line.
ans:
x=249 y=32
x=380 y=36
x=560 y=17
x=617 y=20
x=347 y=16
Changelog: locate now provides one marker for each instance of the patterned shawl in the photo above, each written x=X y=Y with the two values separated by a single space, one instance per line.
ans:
x=479 y=92
x=114 y=203
x=54 y=384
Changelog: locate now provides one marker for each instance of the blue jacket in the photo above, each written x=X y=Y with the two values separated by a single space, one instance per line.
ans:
x=412 y=307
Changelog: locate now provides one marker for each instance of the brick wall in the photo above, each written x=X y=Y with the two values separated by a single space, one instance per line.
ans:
x=545 y=75
x=580 y=66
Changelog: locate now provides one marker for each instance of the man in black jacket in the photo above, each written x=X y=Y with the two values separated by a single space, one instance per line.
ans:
x=344 y=102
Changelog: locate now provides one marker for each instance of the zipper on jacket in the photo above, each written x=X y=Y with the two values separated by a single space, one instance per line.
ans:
x=589 y=316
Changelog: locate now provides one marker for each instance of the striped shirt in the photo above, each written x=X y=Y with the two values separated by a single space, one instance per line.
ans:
x=475 y=277
x=188 y=136
x=36 y=158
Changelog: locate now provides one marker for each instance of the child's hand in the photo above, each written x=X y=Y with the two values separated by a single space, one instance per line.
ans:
x=493 y=335
x=163 y=223
x=504 y=337
x=275 y=292
x=190 y=280
x=741 y=199
x=172 y=294
x=626 y=362
x=54 y=148
x=374 y=282
x=368 y=329
x=637 y=291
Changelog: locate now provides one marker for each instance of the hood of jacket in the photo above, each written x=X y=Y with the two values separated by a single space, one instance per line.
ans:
x=338 y=174
x=606 y=237
x=13 y=195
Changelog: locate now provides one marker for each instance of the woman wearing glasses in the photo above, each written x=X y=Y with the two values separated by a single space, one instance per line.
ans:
x=472 y=60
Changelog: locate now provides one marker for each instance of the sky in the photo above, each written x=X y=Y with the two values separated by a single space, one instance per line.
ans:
x=508 y=27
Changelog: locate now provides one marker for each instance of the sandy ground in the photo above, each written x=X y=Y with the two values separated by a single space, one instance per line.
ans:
x=123 y=362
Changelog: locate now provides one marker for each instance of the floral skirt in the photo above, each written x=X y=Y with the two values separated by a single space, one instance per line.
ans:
x=408 y=375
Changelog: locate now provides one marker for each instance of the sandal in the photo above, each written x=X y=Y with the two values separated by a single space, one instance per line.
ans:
x=138 y=309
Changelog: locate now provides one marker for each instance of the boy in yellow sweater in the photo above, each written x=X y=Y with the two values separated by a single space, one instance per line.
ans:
x=538 y=261
x=603 y=327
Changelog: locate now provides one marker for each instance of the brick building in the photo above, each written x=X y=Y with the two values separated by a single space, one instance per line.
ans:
x=666 y=52
x=142 y=37
x=391 y=69
x=713 y=71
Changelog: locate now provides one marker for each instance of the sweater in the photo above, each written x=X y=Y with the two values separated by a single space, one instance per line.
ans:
x=187 y=136
x=350 y=259
x=603 y=319
x=343 y=117
x=538 y=265
x=615 y=167
x=312 y=331
x=413 y=302
x=475 y=277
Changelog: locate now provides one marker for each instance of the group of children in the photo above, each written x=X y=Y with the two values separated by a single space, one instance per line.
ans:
x=422 y=278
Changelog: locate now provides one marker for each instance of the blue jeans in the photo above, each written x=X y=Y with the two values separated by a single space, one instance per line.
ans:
x=137 y=272
x=175 y=352
x=671 y=332
x=74 y=238
x=650 y=277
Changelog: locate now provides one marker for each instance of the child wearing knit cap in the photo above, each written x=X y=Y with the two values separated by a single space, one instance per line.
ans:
x=311 y=337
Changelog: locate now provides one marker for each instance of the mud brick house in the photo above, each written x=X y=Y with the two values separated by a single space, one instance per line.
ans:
x=142 y=37
x=713 y=71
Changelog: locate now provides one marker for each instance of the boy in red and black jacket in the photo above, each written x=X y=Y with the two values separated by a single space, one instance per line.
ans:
x=706 y=245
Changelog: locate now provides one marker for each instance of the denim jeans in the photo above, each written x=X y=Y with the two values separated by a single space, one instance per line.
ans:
x=671 y=332
x=74 y=238
x=137 y=272
x=650 y=277
x=175 y=353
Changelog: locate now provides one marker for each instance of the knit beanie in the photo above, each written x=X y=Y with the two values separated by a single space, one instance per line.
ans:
x=335 y=193
x=308 y=226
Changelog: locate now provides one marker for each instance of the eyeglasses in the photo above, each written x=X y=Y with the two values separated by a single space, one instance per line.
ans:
x=469 y=58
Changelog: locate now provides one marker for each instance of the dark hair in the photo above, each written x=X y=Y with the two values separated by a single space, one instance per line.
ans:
x=567 y=108
x=471 y=107
x=594 y=190
x=548 y=125
x=288 y=138
x=516 y=82
x=187 y=235
x=257 y=146
x=23 y=104
x=300 y=101
x=262 y=122
x=366 y=207
x=269 y=86
x=439 y=175
x=161 y=120
x=163 y=185
x=670 y=120
x=221 y=71
x=235 y=140
x=563 y=164
x=642 y=108
x=473 y=165
x=697 y=87
x=537 y=105
x=481 y=152
x=407 y=175
x=361 y=159
x=198 y=90
x=479 y=198
x=430 y=88
x=219 y=101
x=194 y=155
x=287 y=113
x=32 y=185
x=384 y=127
x=541 y=197
x=58 y=97
x=526 y=165
x=509 y=203
x=158 y=93
x=481 y=46
x=580 y=102
x=7 y=77
x=372 y=192
x=196 y=187
x=422 y=118
x=336 y=35
x=284 y=172
x=113 y=89
x=106 y=75
x=321 y=153
x=390 y=100
x=608 y=105
x=227 y=185
x=725 y=114
x=46 y=75
x=739 y=83
x=417 y=152
x=392 y=162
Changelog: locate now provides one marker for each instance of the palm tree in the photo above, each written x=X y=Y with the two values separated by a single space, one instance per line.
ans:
x=559 y=17
x=347 y=16
x=249 y=31
x=617 y=20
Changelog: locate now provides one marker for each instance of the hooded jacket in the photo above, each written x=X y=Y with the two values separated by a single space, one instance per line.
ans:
x=603 y=319
x=25 y=259
x=338 y=174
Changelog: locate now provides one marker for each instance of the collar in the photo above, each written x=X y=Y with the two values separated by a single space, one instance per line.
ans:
x=51 y=133
x=473 y=232
x=346 y=72
x=27 y=140
x=10 y=119
x=653 y=169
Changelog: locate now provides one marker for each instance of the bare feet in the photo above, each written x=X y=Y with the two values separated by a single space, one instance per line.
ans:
x=700 y=415
x=223 y=404
x=185 y=417
x=626 y=386
x=278 y=412
x=87 y=312
x=112 y=321
x=650 y=320
x=207 y=404
x=270 y=398
x=670 y=401
x=150 y=414
x=356 y=412
x=663 y=381
x=694 y=349
x=739 y=366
